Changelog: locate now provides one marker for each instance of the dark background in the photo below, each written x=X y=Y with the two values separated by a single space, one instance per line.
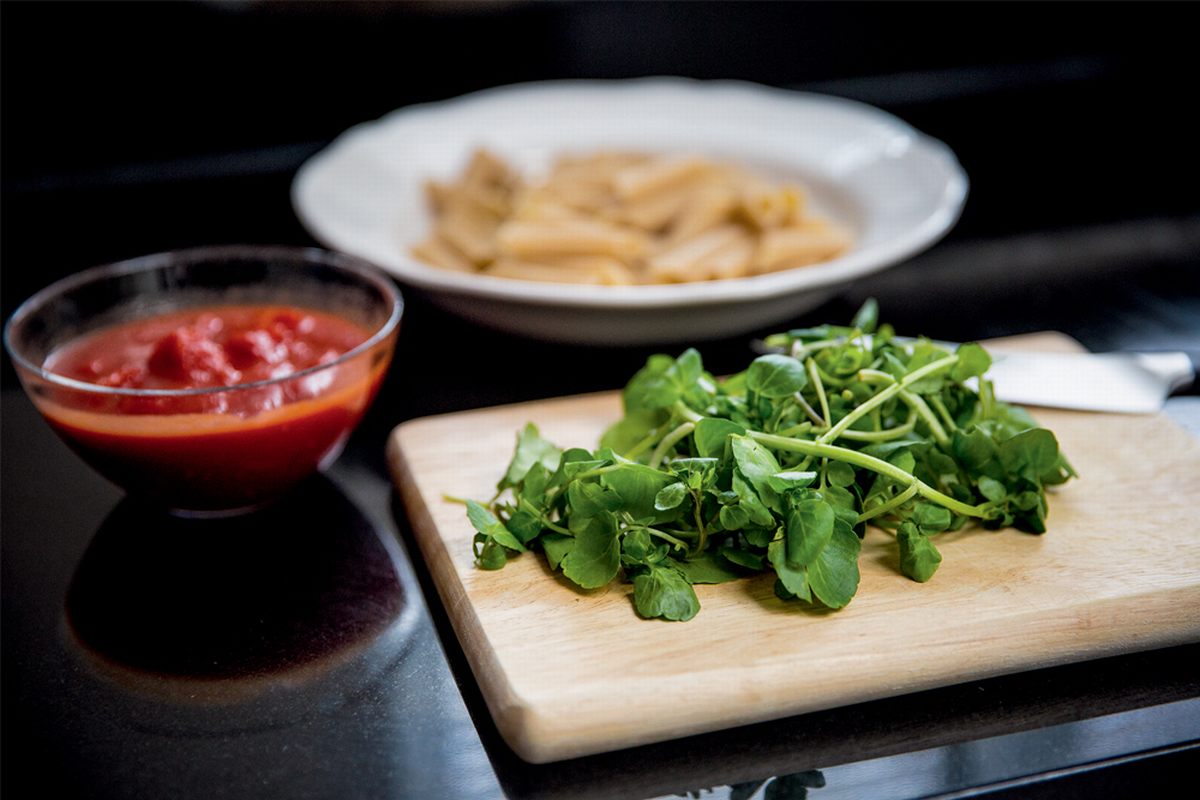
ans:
x=131 y=128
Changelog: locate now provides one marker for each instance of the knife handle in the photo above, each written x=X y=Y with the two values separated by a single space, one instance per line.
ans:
x=1179 y=368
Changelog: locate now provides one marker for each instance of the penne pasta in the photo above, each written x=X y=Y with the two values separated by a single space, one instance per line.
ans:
x=437 y=251
x=599 y=271
x=569 y=237
x=785 y=248
x=616 y=218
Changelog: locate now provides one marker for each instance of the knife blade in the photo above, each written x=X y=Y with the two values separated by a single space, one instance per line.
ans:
x=1131 y=383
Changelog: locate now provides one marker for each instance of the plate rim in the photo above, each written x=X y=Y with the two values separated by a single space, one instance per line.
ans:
x=936 y=224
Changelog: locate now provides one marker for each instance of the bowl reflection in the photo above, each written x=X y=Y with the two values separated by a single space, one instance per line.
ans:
x=256 y=618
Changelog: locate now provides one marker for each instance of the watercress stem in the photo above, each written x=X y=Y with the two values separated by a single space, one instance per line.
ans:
x=822 y=450
x=916 y=403
x=669 y=441
x=819 y=385
x=883 y=508
x=884 y=395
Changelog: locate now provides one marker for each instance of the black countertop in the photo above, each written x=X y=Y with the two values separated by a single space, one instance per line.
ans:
x=303 y=652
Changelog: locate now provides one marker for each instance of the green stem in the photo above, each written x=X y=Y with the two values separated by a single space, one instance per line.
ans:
x=809 y=410
x=822 y=450
x=886 y=394
x=642 y=445
x=803 y=427
x=884 y=435
x=883 y=508
x=916 y=403
x=685 y=412
x=819 y=386
x=679 y=543
x=801 y=352
x=532 y=509
x=669 y=441
x=943 y=412
x=703 y=540
x=591 y=473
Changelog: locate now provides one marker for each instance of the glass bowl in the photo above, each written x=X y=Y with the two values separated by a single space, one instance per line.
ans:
x=217 y=449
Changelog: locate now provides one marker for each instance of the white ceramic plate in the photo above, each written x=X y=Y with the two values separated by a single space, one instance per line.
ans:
x=898 y=190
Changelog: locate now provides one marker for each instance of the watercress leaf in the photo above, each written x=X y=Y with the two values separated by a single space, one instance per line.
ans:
x=637 y=487
x=743 y=558
x=651 y=388
x=663 y=592
x=757 y=464
x=556 y=546
x=904 y=459
x=595 y=558
x=533 y=487
x=1026 y=501
x=973 y=361
x=490 y=555
x=839 y=473
x=670 y=496
x=848 y=360
x=749 y=502
x=1030 y=453
x=790 y=480
x=632 y=429
x=588 y=500
x=531 y=449
x=992 y=489
x=573 y=469
x=637 y=545
x=707 y=568
x=794 y=579
x=885 y=449
x=833 y=576
x=840 y=498
x=919 y=559
x=710 y=435
x=867 y=317
x=931 y=518
x=486 y=523
x=1015 y=417
x=733 y=518
x=776 y=375
x=524 y=525
x=809 y=528
x=973 y=448
x=691 y=466
x=759 y=537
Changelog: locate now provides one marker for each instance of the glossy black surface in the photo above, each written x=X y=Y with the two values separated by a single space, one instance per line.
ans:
x=302 y=652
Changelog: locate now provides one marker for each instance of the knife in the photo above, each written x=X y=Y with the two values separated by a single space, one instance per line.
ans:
x=1130 y=383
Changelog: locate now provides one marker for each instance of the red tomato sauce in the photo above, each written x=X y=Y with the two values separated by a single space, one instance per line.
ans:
x=225 y=449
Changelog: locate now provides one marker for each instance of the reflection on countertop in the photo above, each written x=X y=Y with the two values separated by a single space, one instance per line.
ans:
x=283 y=603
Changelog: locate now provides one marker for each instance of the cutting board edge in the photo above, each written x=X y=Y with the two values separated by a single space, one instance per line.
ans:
x=507 y=710
x=539 y=736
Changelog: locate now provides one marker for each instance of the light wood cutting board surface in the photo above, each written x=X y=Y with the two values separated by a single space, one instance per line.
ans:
x=567 y=673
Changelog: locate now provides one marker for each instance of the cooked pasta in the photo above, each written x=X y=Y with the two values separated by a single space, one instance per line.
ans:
x=618 y=218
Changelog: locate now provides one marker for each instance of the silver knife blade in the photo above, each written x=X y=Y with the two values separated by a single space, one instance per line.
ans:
x=1132 y=383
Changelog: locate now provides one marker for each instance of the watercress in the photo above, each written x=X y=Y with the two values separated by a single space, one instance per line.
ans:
x=778 y=468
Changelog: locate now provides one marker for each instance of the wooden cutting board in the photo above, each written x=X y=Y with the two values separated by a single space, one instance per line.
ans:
x=567 y=673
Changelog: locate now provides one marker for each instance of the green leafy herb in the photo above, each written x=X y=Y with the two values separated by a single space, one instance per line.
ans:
x=778 y=468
